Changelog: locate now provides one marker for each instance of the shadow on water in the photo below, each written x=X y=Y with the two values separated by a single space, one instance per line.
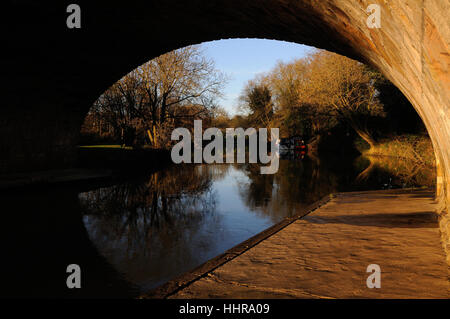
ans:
x=135 y=235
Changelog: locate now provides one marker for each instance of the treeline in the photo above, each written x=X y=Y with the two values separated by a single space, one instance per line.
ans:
x=321 y=95
x=325 y=93
x=145 y=106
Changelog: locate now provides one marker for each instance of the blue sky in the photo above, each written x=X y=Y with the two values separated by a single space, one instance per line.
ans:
x=242 y=59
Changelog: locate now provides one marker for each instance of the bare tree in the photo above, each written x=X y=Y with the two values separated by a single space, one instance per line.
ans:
x=179 y=78
x=152 y=99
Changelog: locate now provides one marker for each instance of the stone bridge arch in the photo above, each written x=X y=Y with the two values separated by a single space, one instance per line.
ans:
x=55 y=73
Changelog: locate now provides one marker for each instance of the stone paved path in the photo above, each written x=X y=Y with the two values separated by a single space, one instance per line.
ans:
x=325 y=254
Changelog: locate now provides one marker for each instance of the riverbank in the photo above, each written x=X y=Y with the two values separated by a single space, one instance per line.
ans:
x=414 y=148
x=62 y=177
x=96 y=164
x=122 y=158
x=326 y=253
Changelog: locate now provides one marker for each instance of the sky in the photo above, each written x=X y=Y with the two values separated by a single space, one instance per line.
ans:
x=242 y=59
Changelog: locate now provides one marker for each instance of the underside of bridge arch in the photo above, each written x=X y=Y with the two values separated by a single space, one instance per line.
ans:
x=54 y=73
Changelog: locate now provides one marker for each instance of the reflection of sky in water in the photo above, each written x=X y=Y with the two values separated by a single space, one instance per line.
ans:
x=238 y=221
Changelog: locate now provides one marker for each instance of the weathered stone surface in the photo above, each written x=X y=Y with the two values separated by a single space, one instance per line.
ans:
x=54 y=74
x=444 y=224
x=326 y=254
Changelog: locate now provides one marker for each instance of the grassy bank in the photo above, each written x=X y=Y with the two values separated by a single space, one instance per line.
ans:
x=413 y=148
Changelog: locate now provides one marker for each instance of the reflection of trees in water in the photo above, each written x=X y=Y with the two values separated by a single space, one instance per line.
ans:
x=306 y=181
x=159 y=205
x=215 y=172
x=299 y=183
x=401 y=172
x=295 y=185
x=258 y=192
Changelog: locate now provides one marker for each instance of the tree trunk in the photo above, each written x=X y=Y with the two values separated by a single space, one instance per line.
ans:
x=366 y=137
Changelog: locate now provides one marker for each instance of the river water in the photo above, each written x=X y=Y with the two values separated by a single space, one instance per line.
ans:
x=135 y=235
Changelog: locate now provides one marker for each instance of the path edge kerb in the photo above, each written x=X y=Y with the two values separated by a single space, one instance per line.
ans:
x=186 y=279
